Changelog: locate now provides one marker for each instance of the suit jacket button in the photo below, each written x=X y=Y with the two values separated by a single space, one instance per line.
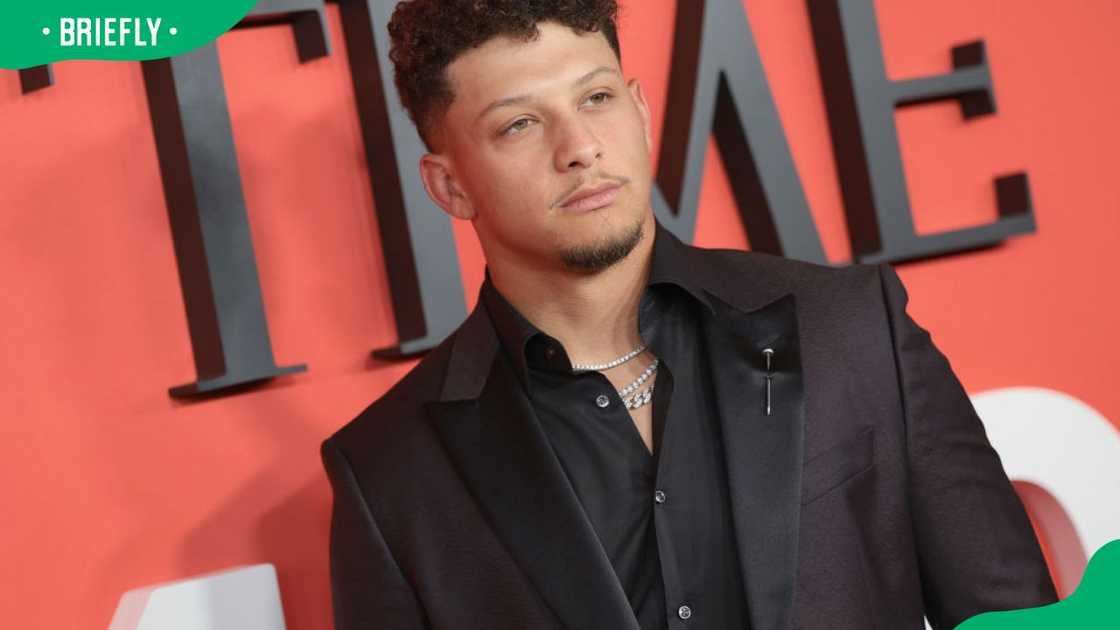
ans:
x=684 y=612
x=602 y=401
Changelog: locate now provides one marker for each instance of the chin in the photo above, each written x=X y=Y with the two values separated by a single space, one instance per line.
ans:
x=601 y=251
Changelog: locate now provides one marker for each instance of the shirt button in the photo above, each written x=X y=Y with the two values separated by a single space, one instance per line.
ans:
x=684 y=612
x=602 y=401
x=659 y=496
x=550 y=352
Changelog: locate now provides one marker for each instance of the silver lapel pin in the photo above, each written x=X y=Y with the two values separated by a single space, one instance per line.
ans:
x=769 y=352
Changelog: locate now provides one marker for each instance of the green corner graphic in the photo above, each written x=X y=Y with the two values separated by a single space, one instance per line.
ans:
x=42 y=32
x=1095 y=603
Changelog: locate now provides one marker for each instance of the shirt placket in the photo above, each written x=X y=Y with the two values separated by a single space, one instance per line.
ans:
x=667 y=506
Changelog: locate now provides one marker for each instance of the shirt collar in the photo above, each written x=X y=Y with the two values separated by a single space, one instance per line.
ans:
x=669 y=264
x=528 y=346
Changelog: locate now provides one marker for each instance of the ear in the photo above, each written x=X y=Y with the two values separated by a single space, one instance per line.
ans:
x=643 y=108
x=439 y=180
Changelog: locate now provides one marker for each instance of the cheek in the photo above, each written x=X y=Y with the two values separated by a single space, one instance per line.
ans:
x=627 y=133
x=511 y=191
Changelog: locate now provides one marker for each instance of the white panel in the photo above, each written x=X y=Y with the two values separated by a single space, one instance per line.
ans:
x=242 y=598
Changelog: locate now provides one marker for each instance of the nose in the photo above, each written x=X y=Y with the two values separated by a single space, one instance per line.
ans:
x=577 y=145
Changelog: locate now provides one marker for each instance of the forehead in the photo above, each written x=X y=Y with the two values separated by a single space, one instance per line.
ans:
x=505 y=66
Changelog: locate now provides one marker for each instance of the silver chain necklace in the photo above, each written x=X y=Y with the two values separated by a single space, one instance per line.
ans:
x=626 y=391
x=612 y=363
x=643 y=397
x=639 y=399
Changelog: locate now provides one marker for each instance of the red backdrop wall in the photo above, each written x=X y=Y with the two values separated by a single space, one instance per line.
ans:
x=108 y=484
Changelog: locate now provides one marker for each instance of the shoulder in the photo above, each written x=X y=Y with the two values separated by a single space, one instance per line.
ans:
x=396 y=415
x=811 y=283
x=839 y=307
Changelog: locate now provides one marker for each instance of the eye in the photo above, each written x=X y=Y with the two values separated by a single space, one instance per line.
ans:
x=516 y=126
x=600 y=98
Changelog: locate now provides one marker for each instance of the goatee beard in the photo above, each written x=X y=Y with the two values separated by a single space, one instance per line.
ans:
x=598 y=257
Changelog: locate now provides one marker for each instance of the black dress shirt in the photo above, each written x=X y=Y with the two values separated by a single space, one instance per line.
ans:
x=664 y=520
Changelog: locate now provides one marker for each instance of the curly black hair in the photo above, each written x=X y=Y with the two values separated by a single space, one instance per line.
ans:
x=428 y=35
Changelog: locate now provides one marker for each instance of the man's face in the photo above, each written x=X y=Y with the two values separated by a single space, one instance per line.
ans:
x=536 y=126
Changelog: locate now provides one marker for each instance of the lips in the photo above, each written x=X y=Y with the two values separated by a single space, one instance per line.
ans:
x=592 y=198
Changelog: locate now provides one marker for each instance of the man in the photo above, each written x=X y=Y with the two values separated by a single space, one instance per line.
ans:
x=632 y=433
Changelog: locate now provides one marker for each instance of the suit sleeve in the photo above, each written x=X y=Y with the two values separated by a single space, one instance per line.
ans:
x=368 y=589
x=976 y=548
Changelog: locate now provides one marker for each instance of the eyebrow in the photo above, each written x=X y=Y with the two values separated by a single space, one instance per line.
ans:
x=525 y=98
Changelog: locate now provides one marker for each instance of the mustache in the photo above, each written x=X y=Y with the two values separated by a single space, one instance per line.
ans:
x=618 y=179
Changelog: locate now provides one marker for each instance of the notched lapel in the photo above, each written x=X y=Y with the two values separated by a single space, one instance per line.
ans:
x=506 y=460
x=763 y=452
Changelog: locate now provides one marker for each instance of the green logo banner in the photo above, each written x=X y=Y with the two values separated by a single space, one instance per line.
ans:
x=1095 y=603
x=45 y=31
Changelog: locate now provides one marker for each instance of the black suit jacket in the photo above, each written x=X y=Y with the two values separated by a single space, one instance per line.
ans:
x=868 y=496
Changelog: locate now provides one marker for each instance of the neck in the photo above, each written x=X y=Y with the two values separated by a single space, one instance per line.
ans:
x=595 y=316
